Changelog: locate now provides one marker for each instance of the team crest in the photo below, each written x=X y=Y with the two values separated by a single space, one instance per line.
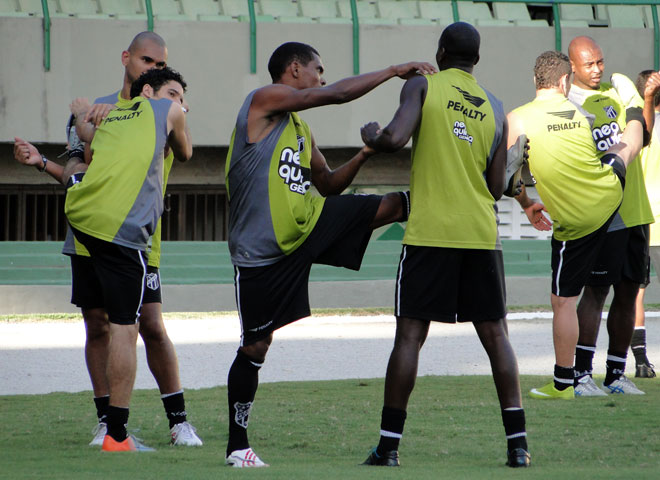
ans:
x=242 y=413
x=610 y=112
x=153 y=282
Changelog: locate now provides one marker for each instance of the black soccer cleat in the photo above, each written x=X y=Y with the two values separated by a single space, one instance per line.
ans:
x=389 y=459
x=644 y=370
x=517 y=458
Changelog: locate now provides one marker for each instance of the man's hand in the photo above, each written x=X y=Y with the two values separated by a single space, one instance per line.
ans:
x=535 y=215
x=79 y=107
x=370 y=132
x=410 y=69
x=97 y=113
x=652 y=85
x=26 y=153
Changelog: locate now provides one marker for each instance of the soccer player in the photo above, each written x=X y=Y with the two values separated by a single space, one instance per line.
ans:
x=146 y=51
x=277 y=227
x=582 y=191
x=451 y=267
x=113 y=208
x=627 y=233
x=650 y=159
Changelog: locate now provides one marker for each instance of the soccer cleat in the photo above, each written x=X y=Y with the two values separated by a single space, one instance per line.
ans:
x=99 y=431
x=515 y=159
x=644 y=370
x=245 y=458
x=130 y=444
x=586 y=387
x=550 y=392
x=517 y=458
x=626 y=90
x=389 y=459
x=184 y=434
x=623 y=385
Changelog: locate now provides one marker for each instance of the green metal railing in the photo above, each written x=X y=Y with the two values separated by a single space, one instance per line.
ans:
x=356 y=25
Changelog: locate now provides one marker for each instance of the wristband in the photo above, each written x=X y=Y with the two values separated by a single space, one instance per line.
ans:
x=45 y=160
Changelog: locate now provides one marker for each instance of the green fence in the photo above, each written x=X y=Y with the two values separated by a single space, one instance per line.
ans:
x=185 y=263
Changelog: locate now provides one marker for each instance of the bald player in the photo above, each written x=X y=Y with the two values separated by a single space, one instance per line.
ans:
x=611 y=104
x=451 y=266
x=147 y=50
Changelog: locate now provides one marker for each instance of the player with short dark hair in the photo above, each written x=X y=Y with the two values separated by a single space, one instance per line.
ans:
x=277 y=227
x=451 y=267
x=113 y=208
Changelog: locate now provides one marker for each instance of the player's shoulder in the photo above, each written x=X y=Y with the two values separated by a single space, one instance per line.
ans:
x=112 y=98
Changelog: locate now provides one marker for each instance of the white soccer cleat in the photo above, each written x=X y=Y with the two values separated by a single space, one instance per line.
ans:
x=184 y=434
x=99 y=432
x=586 y=387
x=623 y=386
x=245 y=458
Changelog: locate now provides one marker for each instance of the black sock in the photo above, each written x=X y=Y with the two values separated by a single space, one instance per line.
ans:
x=391 y=429
x=514 y=428
x=175 y=407
x=584 y=361
x=117 y=419
x=242 y=383
x=102 y=404
x=638 y=345
x=616 y=366
x=564 y=377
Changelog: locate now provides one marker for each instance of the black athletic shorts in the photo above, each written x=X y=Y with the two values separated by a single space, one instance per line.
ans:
x=623 y=255
x=573 y=260
x=121 y=274
x=87 y=293
x=450 y=284
x=272 y=296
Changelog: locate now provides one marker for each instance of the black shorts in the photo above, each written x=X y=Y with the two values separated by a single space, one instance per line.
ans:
x=450 y=284
x=573 y=260
x=623 y=255
x=272 y=296
x=120 y=273
x=87 y=293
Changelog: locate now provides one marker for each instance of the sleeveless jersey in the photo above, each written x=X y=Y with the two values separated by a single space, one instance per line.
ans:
x=651 y=166
x=120 y=198
x=461 y=126
x=271 y=211
x=74 y=247
x=607 y=130
x=578 y=191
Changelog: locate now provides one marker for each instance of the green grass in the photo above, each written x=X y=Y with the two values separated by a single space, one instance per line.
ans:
x=322 y=430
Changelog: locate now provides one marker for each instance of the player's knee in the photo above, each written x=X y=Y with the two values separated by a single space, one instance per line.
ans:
x=257 y=351
x=96 y=323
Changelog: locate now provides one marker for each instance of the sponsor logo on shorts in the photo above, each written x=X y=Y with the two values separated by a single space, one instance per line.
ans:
x=297 y=177
x=257 y=329
x=460 y=130
x=153 y=282
x=606 y=136
x=242 y=413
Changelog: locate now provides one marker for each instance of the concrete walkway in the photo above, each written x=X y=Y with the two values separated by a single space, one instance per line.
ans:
x=46 y=357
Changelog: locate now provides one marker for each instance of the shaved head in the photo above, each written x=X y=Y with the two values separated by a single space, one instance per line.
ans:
x=587 y=62
x=141 y=38
x=460 y=41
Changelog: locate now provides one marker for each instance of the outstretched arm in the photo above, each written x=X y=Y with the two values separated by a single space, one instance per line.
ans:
x=333 y=182
x=406 y=119
x=495 y=175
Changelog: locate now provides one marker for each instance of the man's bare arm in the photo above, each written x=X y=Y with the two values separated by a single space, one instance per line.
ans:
x=406 y=119
x=179 y=138
x=333 y=182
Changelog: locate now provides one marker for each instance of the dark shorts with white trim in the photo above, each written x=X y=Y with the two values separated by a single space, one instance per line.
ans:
x=86 y=291
x=450 y=284
x=573 y=261
x=120 y=274
x=272 y=296
x=624 y=255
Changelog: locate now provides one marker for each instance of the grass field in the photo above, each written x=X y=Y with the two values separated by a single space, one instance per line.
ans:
x=323 y=430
